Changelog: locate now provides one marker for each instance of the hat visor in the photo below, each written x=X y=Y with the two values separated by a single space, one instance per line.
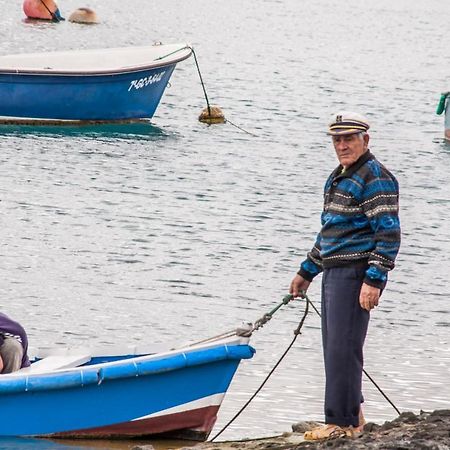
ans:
x=344 y=131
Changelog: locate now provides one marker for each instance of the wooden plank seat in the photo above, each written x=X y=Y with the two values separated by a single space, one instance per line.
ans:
x=56 y=362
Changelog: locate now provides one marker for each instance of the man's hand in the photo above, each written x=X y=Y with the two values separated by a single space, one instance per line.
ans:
x=298 y=284
x=369 y=296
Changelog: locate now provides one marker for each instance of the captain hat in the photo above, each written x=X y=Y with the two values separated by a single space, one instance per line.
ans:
x=347 y=122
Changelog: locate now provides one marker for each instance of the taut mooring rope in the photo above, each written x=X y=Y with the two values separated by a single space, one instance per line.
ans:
x=201 y=80
x=207 y=100
x=261 y=322
x=365 y=372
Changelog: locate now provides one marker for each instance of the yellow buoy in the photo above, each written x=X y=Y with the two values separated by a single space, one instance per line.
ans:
x=83 y=15
x=211 y=115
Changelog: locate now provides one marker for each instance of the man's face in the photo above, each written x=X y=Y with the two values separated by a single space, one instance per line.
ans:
x=350 y=147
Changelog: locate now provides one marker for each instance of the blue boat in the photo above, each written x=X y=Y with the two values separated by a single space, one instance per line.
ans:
x=75 y=393
x=87 y=86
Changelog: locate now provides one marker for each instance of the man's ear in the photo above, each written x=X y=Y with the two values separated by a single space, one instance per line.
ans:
x=366 y=140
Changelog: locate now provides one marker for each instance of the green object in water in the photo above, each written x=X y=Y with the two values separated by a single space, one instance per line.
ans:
x=441 y=105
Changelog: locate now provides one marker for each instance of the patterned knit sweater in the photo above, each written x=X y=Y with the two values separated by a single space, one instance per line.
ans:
x=360 y=223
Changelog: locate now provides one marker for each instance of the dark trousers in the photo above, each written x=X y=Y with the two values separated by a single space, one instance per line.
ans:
x=344 y=328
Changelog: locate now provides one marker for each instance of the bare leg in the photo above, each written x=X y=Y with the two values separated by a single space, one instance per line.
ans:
x=362 y=421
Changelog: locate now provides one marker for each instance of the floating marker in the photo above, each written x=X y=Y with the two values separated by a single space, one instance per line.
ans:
x=83 y=15
x=212 y=115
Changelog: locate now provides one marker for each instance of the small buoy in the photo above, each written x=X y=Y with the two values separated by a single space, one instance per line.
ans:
x=212 y=114
x=83 y=15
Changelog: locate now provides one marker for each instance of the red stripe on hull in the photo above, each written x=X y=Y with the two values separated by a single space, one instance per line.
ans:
x=193 y=424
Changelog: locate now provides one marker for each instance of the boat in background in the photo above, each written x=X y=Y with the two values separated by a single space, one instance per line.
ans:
x=86 y=86
x=80 y=393
x=443 y=106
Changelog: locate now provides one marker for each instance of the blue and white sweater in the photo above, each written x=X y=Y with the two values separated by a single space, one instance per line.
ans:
x=360 y=223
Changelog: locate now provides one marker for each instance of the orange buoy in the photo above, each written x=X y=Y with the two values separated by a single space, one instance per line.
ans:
x=212 y=115
x=42 y=9
x=83 y=15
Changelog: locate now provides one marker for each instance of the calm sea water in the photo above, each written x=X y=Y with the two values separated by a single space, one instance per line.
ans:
x=143 y=234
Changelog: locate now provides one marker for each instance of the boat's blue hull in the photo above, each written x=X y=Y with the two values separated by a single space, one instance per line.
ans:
x=133 y=397
x=105 y=97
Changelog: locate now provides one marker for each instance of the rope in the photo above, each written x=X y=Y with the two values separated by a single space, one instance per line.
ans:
x=53 y=15
x=247 y=332
x=381 y=392
x=239 y=128
x=201 y=80
x=260 y=323
x=364 y=370
x=206 y=95
x=171 y=53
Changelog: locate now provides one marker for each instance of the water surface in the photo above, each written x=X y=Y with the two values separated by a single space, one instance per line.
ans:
x=177 y=231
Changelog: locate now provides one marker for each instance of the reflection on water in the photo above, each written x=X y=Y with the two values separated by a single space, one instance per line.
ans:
x=140 y=130
x=66 y=444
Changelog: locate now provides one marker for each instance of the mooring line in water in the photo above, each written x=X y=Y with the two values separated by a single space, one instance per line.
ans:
x=213 y=114
x=201 y=80
x=240 y=128
x=261 y=322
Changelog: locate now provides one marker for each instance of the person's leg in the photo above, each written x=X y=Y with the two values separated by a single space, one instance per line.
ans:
x=11 y=353
x=344 y=328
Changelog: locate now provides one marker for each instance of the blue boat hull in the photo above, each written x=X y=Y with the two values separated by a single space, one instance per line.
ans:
x=106 y=97
x=132 y=397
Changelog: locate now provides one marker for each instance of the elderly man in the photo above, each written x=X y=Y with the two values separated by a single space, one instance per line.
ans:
x=355 y=248
x=13 y=345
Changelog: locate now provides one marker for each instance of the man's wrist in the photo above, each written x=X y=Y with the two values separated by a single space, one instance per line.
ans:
x=380 y=284
x=305 y=275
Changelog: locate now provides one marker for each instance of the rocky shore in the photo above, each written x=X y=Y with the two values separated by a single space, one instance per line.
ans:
x=424 y=431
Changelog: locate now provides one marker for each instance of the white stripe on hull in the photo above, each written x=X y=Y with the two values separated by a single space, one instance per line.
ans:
x=211 y=400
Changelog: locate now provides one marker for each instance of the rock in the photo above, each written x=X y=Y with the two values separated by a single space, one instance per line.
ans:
x=370 y=426
x=426 y=431
x=301 y=427
x=406 y=417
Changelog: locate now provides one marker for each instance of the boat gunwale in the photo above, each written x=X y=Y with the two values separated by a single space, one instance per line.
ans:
x=103 y=72
x=143 y=365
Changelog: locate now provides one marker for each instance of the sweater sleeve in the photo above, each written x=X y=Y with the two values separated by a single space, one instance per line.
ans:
x=312 y=265
x=381 y=207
